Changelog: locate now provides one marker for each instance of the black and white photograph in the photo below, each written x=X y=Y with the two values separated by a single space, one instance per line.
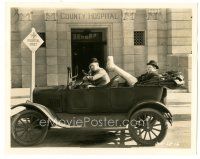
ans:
x=102 y=77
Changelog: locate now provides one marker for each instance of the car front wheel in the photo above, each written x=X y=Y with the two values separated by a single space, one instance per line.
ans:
x=147 y=127
x=29 y=127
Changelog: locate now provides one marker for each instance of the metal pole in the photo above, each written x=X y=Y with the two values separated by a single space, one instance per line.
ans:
x=32 y=75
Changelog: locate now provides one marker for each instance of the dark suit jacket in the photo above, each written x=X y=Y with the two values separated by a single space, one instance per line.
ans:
x=148 y=76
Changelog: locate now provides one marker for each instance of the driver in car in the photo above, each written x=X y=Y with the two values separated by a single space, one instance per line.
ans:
x=97 y=75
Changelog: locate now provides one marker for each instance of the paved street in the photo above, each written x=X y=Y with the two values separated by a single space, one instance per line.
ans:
x=178 y=134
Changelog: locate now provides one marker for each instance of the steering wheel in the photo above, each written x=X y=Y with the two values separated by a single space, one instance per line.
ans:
x=82 y=85
x=112 y=80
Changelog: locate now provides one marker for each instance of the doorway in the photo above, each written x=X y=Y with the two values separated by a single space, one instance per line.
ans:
x=87 y=44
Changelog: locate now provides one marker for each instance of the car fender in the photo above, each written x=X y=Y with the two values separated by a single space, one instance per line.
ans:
x=45 y=111
x=154 y=105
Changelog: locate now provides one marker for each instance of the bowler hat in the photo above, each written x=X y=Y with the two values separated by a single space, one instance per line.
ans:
x=153 y=63
x=94 y=60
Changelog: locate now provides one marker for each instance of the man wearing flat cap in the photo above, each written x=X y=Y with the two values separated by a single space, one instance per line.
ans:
x=97 y=75
x=152 y=72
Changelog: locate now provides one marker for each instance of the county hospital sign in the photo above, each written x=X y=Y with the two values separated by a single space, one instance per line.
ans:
x=102 y=15
x=90 y=16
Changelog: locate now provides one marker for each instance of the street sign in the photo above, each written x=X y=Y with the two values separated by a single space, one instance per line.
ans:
x=33 y=41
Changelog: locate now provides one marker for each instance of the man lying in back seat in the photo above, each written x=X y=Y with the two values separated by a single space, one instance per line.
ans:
x=151 y=73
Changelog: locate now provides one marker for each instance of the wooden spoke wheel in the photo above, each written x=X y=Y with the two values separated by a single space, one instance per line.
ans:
x=29 y=127
x=147 y=127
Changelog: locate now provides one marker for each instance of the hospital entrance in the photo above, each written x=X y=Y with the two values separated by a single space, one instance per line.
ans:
x=87 y=44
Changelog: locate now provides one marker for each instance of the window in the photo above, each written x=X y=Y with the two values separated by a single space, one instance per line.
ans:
x=93 y=36
x=139 y=38
x=43 y=36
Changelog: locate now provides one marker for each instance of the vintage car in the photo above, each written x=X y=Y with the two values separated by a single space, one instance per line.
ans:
x=140 y=109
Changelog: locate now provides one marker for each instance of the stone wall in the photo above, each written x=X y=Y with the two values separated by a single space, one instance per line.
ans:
x=179 y=23
x=140 y=54
x=168 y=34
x=162 y=41
x=16 y=65
x=128 y=20
x=117 y=44
x=63 y=57
x=38 y=22
x=51 y=47
x=22 y=22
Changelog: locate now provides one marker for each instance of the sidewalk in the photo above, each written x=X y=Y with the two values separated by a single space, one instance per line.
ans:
x=19 y=95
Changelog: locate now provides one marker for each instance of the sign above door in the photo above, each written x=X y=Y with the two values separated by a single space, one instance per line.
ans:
x=87 y=37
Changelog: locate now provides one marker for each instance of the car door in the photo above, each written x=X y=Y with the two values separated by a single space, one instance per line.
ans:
x=100 y=99
x=122 y=98
x=77 y=101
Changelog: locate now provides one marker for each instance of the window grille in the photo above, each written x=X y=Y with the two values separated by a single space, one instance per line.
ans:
x=139 y=38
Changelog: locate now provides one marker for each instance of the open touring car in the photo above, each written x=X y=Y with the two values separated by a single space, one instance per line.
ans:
x=140 y=109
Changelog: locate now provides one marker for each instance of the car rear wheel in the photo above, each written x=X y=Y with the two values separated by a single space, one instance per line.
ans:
x=29 y=127
x=147 y=127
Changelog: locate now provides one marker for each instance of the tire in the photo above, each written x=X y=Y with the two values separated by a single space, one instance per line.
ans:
x=147 y=127
x=26 y=128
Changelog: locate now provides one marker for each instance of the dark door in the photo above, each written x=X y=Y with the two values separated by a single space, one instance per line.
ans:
x=92 y=100
x=77 y=101
x=84 y=47
x=101 y=102
x=122 y=98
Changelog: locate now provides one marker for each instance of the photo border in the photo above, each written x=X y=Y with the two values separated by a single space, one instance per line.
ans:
x=99 y=151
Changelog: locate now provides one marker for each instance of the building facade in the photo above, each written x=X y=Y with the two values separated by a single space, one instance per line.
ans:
x=73 y=36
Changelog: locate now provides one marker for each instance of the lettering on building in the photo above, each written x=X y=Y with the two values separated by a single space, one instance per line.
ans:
x=100 y=15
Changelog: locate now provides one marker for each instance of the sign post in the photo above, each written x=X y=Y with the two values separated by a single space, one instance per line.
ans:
x=33 y=41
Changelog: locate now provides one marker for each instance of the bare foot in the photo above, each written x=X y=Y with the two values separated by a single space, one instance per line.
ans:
x=110 y=63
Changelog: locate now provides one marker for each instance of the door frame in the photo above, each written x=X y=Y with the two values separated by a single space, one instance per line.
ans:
x=108 y=27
